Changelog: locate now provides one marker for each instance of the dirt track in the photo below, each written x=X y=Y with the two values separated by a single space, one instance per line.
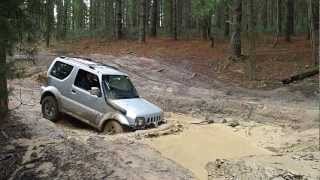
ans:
x=276 y=122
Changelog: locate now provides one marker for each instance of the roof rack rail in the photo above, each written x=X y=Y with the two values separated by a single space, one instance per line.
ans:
x=98 y=63
x=85 y=58
x=109 y=66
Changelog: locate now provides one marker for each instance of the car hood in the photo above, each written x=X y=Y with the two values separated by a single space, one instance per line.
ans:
x=137 y=107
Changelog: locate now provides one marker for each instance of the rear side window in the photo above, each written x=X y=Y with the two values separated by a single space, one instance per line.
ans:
x=61 y=70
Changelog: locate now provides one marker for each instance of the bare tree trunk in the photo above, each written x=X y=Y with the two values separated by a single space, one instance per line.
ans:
x=252 y=44
x=49 y=20
x=168 y=16
x=227 y=20
x=290 y=20
x=3 y=83
x=308 y=36
x=213 y=28
x=134 y=13
x=154 y=19
x=314 y=29
x=66 y=19
x=265 y=14
x=107 y=15
x=114 y=18
x=142 y=21
x=60 y=21
x=179 y=7
x=119 y=19
x=278 y=27
x=175 y=19
x=236 y=35
x=187 y=15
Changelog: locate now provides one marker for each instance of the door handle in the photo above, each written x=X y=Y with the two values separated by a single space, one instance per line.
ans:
x=73 y=91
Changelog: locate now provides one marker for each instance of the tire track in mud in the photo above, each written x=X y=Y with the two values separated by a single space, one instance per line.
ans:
x=70 y=149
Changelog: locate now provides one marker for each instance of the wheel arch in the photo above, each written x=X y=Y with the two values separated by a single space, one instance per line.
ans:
x=47 y=93
x=115 y=116
x=51 y=91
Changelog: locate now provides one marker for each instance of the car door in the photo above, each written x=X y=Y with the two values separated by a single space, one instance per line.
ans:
x=88 y=107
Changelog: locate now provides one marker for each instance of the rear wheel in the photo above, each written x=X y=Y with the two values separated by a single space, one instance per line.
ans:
x=50 y=109
x=113 y=127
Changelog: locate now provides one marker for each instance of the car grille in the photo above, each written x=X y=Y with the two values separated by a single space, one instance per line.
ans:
x=152 y=119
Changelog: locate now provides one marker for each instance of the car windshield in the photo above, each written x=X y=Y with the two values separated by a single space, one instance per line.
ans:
x=119 y=87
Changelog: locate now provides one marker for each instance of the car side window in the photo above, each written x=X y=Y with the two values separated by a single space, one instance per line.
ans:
x=86 y=80
x=61 y=70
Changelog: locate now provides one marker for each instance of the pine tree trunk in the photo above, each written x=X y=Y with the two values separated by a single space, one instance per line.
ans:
x=154 y=19
x=3 y=83
x=278 y=23
x=236 y=34
x=227 y=20
x=126 y=19
x=49 y=21
x=142 y=21
x=252 y=43
x=290 y=20
x=66 y=19
x=59 y=16
x=314 y=29
x=308 y=36
x=279 y=18
x=107 y=5
x=168 y=16
x=119 y=19
x=175 y=19
x=265 y=14
x=187 y=15
x=134 y=13
x=91 y=15
x=179 y=7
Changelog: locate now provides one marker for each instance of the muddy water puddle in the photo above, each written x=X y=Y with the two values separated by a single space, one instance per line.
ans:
x=193 y=147
x=196 y=145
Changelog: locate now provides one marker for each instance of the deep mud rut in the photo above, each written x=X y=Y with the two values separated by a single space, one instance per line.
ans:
x=255 y=135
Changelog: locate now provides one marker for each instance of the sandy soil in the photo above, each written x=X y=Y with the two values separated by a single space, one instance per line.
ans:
x=251 y=126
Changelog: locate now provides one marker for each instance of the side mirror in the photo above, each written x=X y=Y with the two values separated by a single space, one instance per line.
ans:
x=95 y=91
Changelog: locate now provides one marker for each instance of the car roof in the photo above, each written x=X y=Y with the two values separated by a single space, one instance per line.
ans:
x=91 y=66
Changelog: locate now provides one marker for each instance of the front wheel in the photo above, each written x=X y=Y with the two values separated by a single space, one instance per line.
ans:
x=50 y=108
x=113 y=127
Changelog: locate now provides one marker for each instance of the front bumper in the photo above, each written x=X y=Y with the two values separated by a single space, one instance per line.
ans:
x=148 y=121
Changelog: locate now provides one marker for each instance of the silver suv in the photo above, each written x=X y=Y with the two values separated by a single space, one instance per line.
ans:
x=97 y=94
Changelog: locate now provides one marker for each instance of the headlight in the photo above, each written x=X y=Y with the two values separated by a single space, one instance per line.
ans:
x=140 y=121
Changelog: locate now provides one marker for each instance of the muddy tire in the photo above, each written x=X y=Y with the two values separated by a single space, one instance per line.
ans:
x=113 y=127
x=50 y=109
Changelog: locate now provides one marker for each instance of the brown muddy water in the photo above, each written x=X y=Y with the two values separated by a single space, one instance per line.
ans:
x=196 y=145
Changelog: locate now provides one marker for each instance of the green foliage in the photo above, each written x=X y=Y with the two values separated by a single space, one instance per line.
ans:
x=203 y=8
x=9 y=10
x=82 y=18
x=15 y=23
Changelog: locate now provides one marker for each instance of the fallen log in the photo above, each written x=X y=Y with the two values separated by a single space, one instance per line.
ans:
x=301 y=76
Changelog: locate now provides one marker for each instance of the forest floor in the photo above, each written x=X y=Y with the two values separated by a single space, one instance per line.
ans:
x=197 y=56
x=258 y=132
